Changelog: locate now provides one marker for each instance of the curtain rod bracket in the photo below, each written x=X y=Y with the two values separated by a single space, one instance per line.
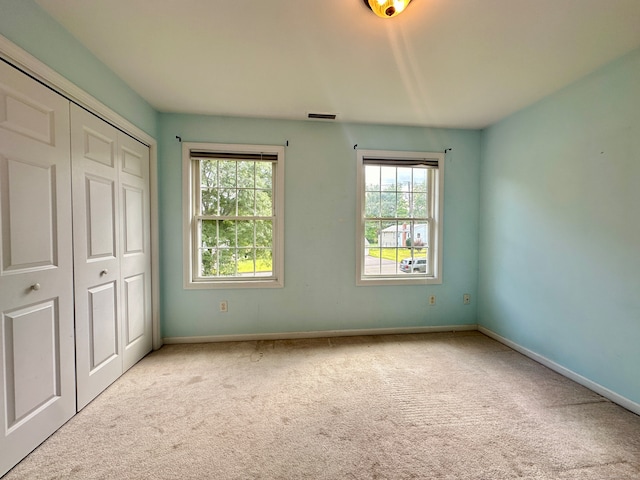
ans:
x=179 y=138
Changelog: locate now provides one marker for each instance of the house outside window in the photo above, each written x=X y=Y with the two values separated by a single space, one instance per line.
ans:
x=399 y=228
x=233 y=200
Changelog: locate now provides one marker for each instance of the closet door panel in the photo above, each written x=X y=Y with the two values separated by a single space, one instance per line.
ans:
x=32 y=359
x=96 y=207
x=134 y=308
x=37 y=371
x=32 y=187
x=100 y=193
x=104 y=343
x=136 y=249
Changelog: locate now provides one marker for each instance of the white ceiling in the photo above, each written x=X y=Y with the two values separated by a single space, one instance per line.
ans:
x=446 y=63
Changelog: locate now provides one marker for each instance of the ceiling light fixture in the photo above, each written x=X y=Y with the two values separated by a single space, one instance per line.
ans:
x=387 y=8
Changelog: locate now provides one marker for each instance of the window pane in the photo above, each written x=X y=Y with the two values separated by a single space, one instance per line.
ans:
x=227 y=201
x=388 y=178
x=264 y=233
x=209 y=201
x=417 y=231
x=372 y=204
x=402 y=204
x=420 y=205
x=208 y=233
x=246 y=203
x=207 y=262
x=264 y=175
x=245 y=233
x=404 y=179
x=246 y=174
x=419 y=180
x=226 y=262
x=389 y=234
x=208 y=173
x=421 y=236
x=420 y=253
x=227 y=173
x=246 y=261
x=264 y=262
x=372 y=178
x=388 y=204
x=264 y=203
x=390 y=254
x=226 y=233
x=372 y=261
x=371 y=233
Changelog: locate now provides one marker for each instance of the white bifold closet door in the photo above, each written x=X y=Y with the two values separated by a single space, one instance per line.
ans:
x=37 y=371
x=111 y=252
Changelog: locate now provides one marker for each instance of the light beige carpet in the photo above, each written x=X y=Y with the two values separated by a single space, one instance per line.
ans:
x=432 y=406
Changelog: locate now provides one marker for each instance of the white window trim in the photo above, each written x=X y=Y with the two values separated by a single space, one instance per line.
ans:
x=277 y=281
x=438 y=212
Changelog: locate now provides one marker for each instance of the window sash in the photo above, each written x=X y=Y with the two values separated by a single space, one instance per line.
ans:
x=229 y=240
x=397 y=244
x=430 y=188
x=197 y=183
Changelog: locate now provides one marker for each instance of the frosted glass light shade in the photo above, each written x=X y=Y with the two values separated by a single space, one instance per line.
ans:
x=387 y=8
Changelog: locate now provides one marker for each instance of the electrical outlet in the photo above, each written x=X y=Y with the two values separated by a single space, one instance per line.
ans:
x=224 y=306
x=432 y=299
x=466 y=299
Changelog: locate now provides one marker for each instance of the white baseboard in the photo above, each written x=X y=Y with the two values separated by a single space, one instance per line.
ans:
x=317 y=334
x=591 y=385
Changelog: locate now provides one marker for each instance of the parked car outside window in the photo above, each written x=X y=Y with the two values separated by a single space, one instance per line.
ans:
x=413 y=265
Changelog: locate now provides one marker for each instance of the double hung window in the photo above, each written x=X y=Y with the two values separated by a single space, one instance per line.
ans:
x=234 y=223
x=399 y=232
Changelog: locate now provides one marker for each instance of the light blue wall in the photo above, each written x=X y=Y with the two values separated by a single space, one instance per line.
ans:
x=320 y=184
x=32 y=29
x=560 y=228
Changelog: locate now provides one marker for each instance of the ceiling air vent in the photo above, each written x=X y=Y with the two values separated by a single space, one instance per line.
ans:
x=321 y=116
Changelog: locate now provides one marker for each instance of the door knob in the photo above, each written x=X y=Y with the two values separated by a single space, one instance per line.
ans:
x=35 y=287
x=104 y=272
